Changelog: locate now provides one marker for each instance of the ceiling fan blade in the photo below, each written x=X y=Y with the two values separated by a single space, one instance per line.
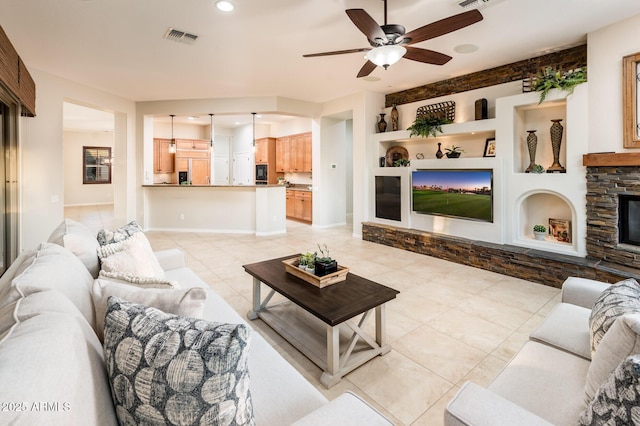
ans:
x=427 y=56
x=366 y=24
x=366 y=69
x=444 y=26
x=336 y=52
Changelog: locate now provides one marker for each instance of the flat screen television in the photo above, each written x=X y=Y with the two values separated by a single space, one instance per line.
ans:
x=459 y=193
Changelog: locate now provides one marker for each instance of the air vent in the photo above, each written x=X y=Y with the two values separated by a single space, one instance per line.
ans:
x=180 y=36
x=476 y=4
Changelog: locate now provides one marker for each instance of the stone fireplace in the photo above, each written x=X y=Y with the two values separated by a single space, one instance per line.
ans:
x=613 y=199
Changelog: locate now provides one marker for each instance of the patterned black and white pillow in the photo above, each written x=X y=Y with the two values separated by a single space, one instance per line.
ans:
x=618 y=299
x=617 y=401
x=166 y=369
x=108 y=236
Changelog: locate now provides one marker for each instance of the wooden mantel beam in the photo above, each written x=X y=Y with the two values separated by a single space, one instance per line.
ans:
x=611 y=159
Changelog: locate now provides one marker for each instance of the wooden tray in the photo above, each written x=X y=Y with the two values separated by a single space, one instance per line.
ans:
x=291 y=266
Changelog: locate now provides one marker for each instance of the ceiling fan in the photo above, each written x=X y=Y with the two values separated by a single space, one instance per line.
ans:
x=389 y=42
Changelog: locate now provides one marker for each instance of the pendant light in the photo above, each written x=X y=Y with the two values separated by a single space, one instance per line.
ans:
x=254 y=131
x=211 y=145
x=172 y=145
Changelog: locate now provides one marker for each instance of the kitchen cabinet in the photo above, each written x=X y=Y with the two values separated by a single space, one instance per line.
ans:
x=293 y=153
x=163 y=160
x=193 y=155
x=265 y=154
x=300 y=205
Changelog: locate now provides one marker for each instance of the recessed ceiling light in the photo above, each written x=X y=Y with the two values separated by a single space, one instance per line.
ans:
x=466 y=48
x=224 y=5
x=192 y=117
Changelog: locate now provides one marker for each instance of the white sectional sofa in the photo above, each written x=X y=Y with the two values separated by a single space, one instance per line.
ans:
x=555 y=379
x=52 y=365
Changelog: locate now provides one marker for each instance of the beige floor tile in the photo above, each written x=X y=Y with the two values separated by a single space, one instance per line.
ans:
x=416 y=307
x=451 y=359
x=435 y=415
x=473 y=331
x=511 y=346
x=494 y=310
x=484 y=373
x=400 y=385
x=521 y=294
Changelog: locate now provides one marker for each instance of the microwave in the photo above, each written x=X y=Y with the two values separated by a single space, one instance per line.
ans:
x=262 y=173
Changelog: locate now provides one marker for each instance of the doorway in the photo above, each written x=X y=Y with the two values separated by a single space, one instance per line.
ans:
x=9 y=207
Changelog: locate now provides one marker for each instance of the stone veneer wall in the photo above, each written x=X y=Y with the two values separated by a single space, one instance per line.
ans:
x=533 y=265
x=604 y=184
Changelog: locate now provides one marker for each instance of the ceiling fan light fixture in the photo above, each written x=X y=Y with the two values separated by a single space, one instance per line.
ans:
x=386 y=55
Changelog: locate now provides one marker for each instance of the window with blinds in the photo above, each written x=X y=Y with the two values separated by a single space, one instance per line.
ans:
x=96 y=164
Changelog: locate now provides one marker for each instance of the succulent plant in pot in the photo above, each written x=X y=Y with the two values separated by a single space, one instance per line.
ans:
x=540 y=232
x=454 y=151
x=324 y=264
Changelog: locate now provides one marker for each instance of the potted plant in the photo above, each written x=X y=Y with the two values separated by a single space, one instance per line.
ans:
x=540 y=232
x=427 y=125
x=402 y=162
x=537 y=168
x=324 y=264
x=454 y=151
x=566 y=81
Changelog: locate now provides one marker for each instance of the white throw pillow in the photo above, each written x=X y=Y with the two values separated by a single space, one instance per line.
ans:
x=108 y=236
x=185 y=303
x=132 y=256
x=620 y=341
x=79 y=239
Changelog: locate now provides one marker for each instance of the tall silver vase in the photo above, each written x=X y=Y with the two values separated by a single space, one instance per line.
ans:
x=532 y=145
x=556 y=141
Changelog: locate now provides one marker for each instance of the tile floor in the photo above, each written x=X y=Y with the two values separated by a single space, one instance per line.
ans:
x=450 y=323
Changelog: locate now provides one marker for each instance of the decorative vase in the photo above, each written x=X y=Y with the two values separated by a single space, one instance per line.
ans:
x=394 y=118
x=556 y=140
x=382 y=125
x=454 y=154
x=532 y=144
x=439 y=153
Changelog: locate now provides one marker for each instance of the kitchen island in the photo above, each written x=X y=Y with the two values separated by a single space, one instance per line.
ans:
x=240 y=209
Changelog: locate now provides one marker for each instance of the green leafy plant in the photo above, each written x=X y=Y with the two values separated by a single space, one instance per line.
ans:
x=537 y=168
x=427 y=125
x=454 y=149
x=402 y=162
x=324 y=254
x=551 y=79
x=539 y=228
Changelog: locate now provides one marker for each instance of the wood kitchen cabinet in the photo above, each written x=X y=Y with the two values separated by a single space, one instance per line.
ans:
x=300 y=205
x=163 y=160
x=194 y=152
x=293 y=153
x=265 y=150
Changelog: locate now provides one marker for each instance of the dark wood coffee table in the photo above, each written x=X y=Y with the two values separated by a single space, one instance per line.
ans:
x=321 y=325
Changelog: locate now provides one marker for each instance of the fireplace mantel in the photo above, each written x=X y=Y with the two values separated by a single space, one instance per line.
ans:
x=611 y=159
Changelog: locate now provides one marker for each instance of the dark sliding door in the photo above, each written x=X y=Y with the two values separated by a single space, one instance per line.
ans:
x=8 y=182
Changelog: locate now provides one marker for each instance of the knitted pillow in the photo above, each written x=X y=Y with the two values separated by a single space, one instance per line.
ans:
x=617 y=401
x=166 y=369
x=108 y=236
x=618 y=299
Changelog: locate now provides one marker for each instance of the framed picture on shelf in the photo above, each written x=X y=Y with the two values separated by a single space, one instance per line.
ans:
x=490 y=148
x=560 y=229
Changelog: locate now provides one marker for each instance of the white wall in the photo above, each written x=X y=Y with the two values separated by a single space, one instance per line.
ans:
x=180 y=131
x=75 y=192
x=42 y=158
x=605 y=49
x=291 y=127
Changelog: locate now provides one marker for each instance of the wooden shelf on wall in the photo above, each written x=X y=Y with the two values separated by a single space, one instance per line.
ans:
x=607 y=159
